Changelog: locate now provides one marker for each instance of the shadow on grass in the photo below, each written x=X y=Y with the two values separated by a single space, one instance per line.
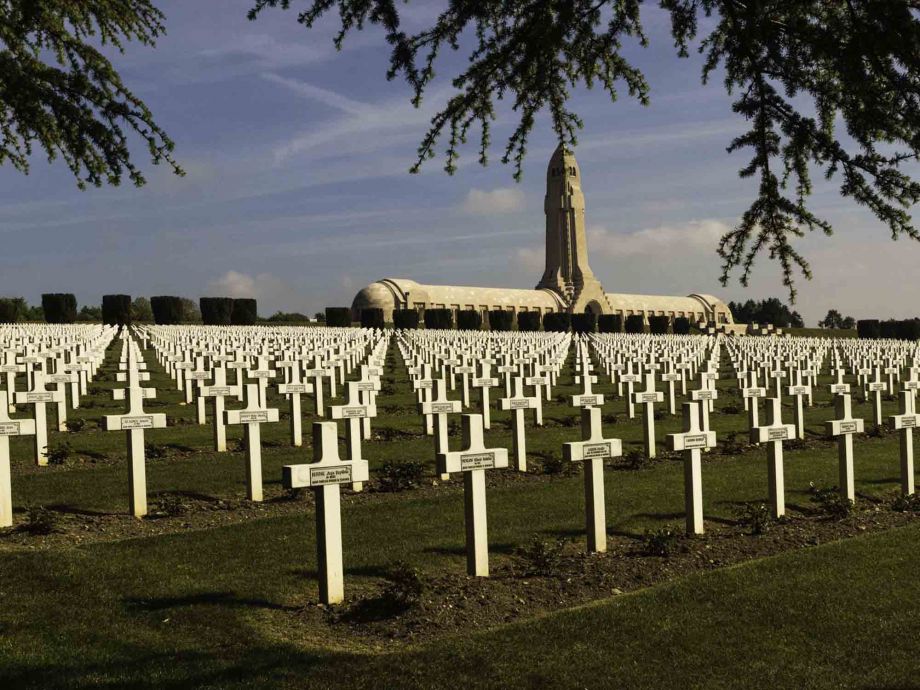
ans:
x=223 y=599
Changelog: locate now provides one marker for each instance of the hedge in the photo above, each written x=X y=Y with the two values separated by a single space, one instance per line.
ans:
x=245 y=311
x=584 y=323
x=12 y=309
x=869 y=328
x=116 y=310
x=167 y=310
x=338 y=316
x=372 y=317
x=908 y=329
x=439 y=318
x=216 y=311
x=469 y=320
x=610 y=323
x=59 y=307
x=405 y=318
x=529 y=321
x=501 y=320
x=681 y=325
x=659 y=325
x=634 y=324
x=557 y=321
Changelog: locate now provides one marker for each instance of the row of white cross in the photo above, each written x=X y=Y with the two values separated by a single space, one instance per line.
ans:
x=433 y=364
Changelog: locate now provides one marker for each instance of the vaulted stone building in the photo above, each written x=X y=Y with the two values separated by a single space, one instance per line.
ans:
x=568 y=283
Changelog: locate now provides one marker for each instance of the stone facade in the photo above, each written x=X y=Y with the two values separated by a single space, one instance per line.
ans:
x=568 y=283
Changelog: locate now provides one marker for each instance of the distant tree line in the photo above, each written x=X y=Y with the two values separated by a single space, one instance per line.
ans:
x=897 y=329
x=767 y=311
x=121 y=310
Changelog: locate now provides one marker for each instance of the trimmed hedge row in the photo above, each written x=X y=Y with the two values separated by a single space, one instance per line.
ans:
x=439 y=318
x=405 y=318
x=501 y=320
x=557 y=322
x=634 y=324
x=529 y=321
x=681 y=325
x=339 y=317
x=659 y=325
x=116 y=310
x=610 y=323
x=167 y=310
x=59 y=307
x=584 y=323
x=900 y=329
x=245 y=311
x=216 y=311
x=372 y=317
x=469 y=320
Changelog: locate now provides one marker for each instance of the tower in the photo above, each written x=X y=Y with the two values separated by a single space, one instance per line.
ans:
x=567 y=271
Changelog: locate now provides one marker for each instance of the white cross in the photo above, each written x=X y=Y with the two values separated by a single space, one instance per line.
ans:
x=690 y=442
x=38 y=397
x=218 y=391
x=843 y=429
x=593 y=449
x=773 y=434
x=517 y=403
x=630 y=379
x=438 y=407
x=134 y=423
x=294 y=388
x=251 y=417
x=906 y=422
x=472 y=462
x=484 y=382
x=877 y=387
x=587 y=397
x=799 y=391
x=354 y=411
x=325 y=474
x=705 y=394
x=9 y=427
x=262 y=373
x=648 y=398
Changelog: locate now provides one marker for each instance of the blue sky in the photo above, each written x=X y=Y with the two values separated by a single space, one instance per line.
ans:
x=298 y=193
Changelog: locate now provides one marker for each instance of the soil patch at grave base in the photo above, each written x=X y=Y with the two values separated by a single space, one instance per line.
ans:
x=450 y=604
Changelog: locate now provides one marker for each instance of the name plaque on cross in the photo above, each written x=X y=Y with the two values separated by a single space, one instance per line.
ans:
x=319 y=476
x=597 y=450
x=477 y=461
x=9 y=429
x=698 y=441
x=442 y=408
x=521 y=404
x=250 y=417
x=778 y=434
x=138 y=422
x=39 y=397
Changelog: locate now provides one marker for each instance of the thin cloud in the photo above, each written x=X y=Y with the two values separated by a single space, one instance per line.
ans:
x=693 y=237
x=480 y=202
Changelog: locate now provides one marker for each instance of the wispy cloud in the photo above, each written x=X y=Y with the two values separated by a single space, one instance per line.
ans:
x=692 y=237
x=481 y=202
x=272 y=292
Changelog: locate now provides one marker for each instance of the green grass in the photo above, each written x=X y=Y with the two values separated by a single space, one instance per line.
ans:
x=222 y=607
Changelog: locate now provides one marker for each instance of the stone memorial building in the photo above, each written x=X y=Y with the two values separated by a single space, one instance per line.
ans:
x=568 y=283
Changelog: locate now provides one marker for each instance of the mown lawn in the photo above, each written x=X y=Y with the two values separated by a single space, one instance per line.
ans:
x=222 y=607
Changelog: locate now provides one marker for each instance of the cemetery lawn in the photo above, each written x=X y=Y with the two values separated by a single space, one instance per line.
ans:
x=210 y=609
x=212 y=590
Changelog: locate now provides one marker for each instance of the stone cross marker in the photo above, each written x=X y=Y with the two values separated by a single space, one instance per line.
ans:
x=354 y=412
x=251 y=417
x=691 y=442
x=905 y=422
x=843 y=429
x=438 y=407
x=133 y=423
x=648 y=398
x=484 y=382
x=877 y=387
x=593 y=449
x=751 y=395
x=472 y=462
x=517 y=403
x=9 y=427
x=38 y=397
x=324 y=476
x=799 y=391
x=294 y=389
x=218 y=391
x=773 y=434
